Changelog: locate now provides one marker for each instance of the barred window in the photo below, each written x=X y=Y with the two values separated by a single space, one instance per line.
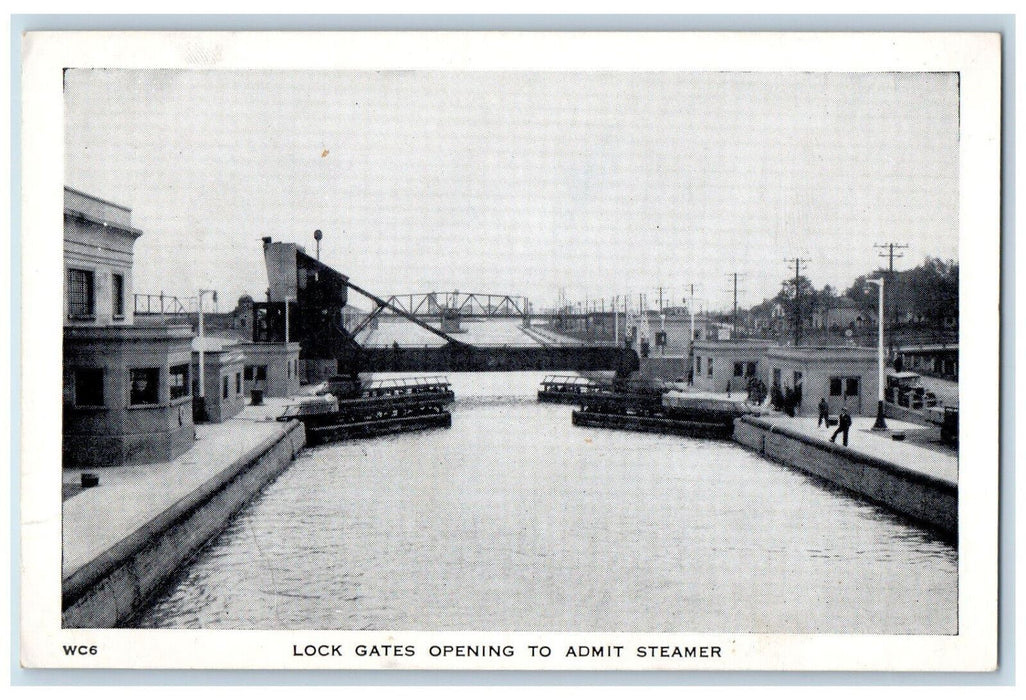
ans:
x=179 y=381
x=80 y=293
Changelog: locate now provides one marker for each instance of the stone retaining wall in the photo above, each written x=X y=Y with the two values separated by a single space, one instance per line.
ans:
x=922 y=498
x=114 y=587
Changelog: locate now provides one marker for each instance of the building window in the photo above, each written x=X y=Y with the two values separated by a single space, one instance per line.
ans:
x=835 y=386
x=117 y=294
x=88 y=387
x=752 y=369
x=776 y=377
x=224 y=387
x=698 y=364
x=708 y=366
x=288 y=369
x=851 y=386
x=178 y=381
x=248 y=372
x=238 y=382
x=80 y=294
x=145 y=386
x=739 y=369
x=260 y=373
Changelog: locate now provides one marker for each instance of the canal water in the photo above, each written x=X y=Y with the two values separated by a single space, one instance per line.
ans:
x=514 y=519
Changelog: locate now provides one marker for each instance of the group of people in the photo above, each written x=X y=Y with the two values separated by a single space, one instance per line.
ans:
x=789 y=401
x=757 y=391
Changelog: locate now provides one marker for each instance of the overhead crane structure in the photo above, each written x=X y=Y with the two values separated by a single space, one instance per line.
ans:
x=305 y=302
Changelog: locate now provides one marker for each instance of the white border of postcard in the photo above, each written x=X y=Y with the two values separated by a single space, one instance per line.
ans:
x=976 y=56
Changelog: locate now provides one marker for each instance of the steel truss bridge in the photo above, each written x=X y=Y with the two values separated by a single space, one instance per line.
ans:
x=464 y=304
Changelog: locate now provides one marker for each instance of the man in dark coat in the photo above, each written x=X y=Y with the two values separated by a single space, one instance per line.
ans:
x=843 y=423
x=824 y=413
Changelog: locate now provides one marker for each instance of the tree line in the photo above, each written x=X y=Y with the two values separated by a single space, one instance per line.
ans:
x=926 y=295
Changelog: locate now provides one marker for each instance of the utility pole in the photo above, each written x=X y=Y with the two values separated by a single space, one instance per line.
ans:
x=616 y=325
x=887 y=251
x=796 y=320
x=735 y=275
x=691 y=308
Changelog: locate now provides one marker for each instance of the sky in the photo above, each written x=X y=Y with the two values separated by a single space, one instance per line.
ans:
x=525 y=183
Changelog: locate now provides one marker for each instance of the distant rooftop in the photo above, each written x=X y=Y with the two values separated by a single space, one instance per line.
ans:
x=212 y=343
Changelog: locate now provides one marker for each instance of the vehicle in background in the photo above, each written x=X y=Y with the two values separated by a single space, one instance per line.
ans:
x=906 y=389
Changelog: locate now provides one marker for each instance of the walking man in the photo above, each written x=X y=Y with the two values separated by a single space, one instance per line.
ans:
x=843 y=423
x=824 y=413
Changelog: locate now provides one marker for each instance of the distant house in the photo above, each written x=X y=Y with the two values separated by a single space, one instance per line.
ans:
x=843 y=314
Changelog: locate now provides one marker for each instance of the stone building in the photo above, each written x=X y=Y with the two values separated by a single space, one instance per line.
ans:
x=127 y=396
x=845 y=376
x=224 y=393
x=719 y=364
x=272 y=368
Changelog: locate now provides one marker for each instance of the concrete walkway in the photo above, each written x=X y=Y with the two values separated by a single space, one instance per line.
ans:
x=128 y=497
x=880 y=445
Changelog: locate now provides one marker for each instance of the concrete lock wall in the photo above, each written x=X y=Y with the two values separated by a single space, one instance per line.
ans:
x=112 y=588
x=924 y=499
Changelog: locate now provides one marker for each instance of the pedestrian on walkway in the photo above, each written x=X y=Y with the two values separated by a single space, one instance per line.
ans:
x=824 y=413
x=843 y=423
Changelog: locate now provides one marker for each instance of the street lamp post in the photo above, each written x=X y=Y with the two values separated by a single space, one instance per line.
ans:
x=202 y=393
x=880 y=423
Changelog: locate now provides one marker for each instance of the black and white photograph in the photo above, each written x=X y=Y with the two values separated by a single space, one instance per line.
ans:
x=564 y=352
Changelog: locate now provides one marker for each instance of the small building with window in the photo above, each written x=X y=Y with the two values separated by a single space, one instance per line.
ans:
x=720 y=365
x=845 y=376
x=223 y=390
x=273 y=368
x=127 y=389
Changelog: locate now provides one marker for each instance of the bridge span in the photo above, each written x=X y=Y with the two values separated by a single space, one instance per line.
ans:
x=501 y=358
